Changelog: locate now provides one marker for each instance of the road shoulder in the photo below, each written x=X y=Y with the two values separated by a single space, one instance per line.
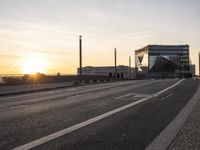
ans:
x=174 y=131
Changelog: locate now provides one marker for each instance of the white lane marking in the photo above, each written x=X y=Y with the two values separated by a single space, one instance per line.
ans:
x=51 y=92
x=14 y=107
x=140 y=95
x=123 y=96
x=58 y=90
x=73 y=89
x=167 y=96
x=79 y=95
x=87 y=122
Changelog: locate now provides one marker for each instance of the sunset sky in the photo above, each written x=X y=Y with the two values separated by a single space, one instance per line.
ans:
x=44 y=33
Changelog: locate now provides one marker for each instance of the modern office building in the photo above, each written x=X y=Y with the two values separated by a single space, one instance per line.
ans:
x=122 y=71
x=192 y=70
x=162 y=61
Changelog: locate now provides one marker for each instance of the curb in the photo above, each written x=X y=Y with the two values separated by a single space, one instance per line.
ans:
x=33 y=91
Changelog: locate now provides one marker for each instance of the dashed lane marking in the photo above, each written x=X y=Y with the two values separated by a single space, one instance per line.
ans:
x=79 y=95
x=167 y=96
x=123 y=96
x=140 y=95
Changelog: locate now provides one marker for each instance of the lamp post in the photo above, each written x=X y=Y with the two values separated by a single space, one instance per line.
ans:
x=130 y=67
x=80 y=55
x=115 y=57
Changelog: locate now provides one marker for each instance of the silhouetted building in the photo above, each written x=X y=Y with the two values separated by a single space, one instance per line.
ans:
x=122 y=71
x=162 y=61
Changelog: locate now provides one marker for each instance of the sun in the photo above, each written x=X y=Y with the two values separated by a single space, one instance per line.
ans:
x=33 y=65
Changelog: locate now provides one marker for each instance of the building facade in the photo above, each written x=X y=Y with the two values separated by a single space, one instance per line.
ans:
x=162 y=61
x=199 y=64
x=121 y=71
x=192 y=70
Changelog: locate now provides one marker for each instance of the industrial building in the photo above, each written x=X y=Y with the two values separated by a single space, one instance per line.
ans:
x=121 y=71
x=162 y=61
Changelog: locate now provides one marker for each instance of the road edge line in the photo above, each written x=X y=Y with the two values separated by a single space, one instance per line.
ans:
x=167 y=136
x=65 y=131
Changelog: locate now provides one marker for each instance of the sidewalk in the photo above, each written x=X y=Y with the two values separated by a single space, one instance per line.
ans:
x=18 y=89
x=21 y=89
x=188 y=137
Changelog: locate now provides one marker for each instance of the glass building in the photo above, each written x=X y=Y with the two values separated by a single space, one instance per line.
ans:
x=162 y=61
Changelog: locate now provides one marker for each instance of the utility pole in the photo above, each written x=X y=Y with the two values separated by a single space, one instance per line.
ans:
x=80 y=55
x=115 y=53
x=130 y=67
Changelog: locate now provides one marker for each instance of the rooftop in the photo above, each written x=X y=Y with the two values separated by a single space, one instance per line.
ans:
x=162 y=47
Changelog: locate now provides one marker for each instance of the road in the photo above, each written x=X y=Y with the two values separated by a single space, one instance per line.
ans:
x=112 y=116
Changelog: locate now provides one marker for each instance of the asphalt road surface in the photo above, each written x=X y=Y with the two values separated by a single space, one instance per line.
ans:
x=112 y=116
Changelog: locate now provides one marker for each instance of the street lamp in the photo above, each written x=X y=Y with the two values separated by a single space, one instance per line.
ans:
x=115 y=57
x=80 y=58
x=130 y=67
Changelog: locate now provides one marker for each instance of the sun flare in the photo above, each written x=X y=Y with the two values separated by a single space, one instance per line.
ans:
x=34 y=65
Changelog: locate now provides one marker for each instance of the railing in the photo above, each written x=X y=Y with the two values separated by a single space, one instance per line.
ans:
x=13 y=79
x=20 y=76
x=16 y=76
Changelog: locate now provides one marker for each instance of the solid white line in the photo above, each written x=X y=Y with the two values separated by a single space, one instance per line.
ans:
x=124 y=96
x=170 y=87
x=88 y=122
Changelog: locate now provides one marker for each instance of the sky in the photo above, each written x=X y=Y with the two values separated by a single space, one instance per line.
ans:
x=46 y=32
